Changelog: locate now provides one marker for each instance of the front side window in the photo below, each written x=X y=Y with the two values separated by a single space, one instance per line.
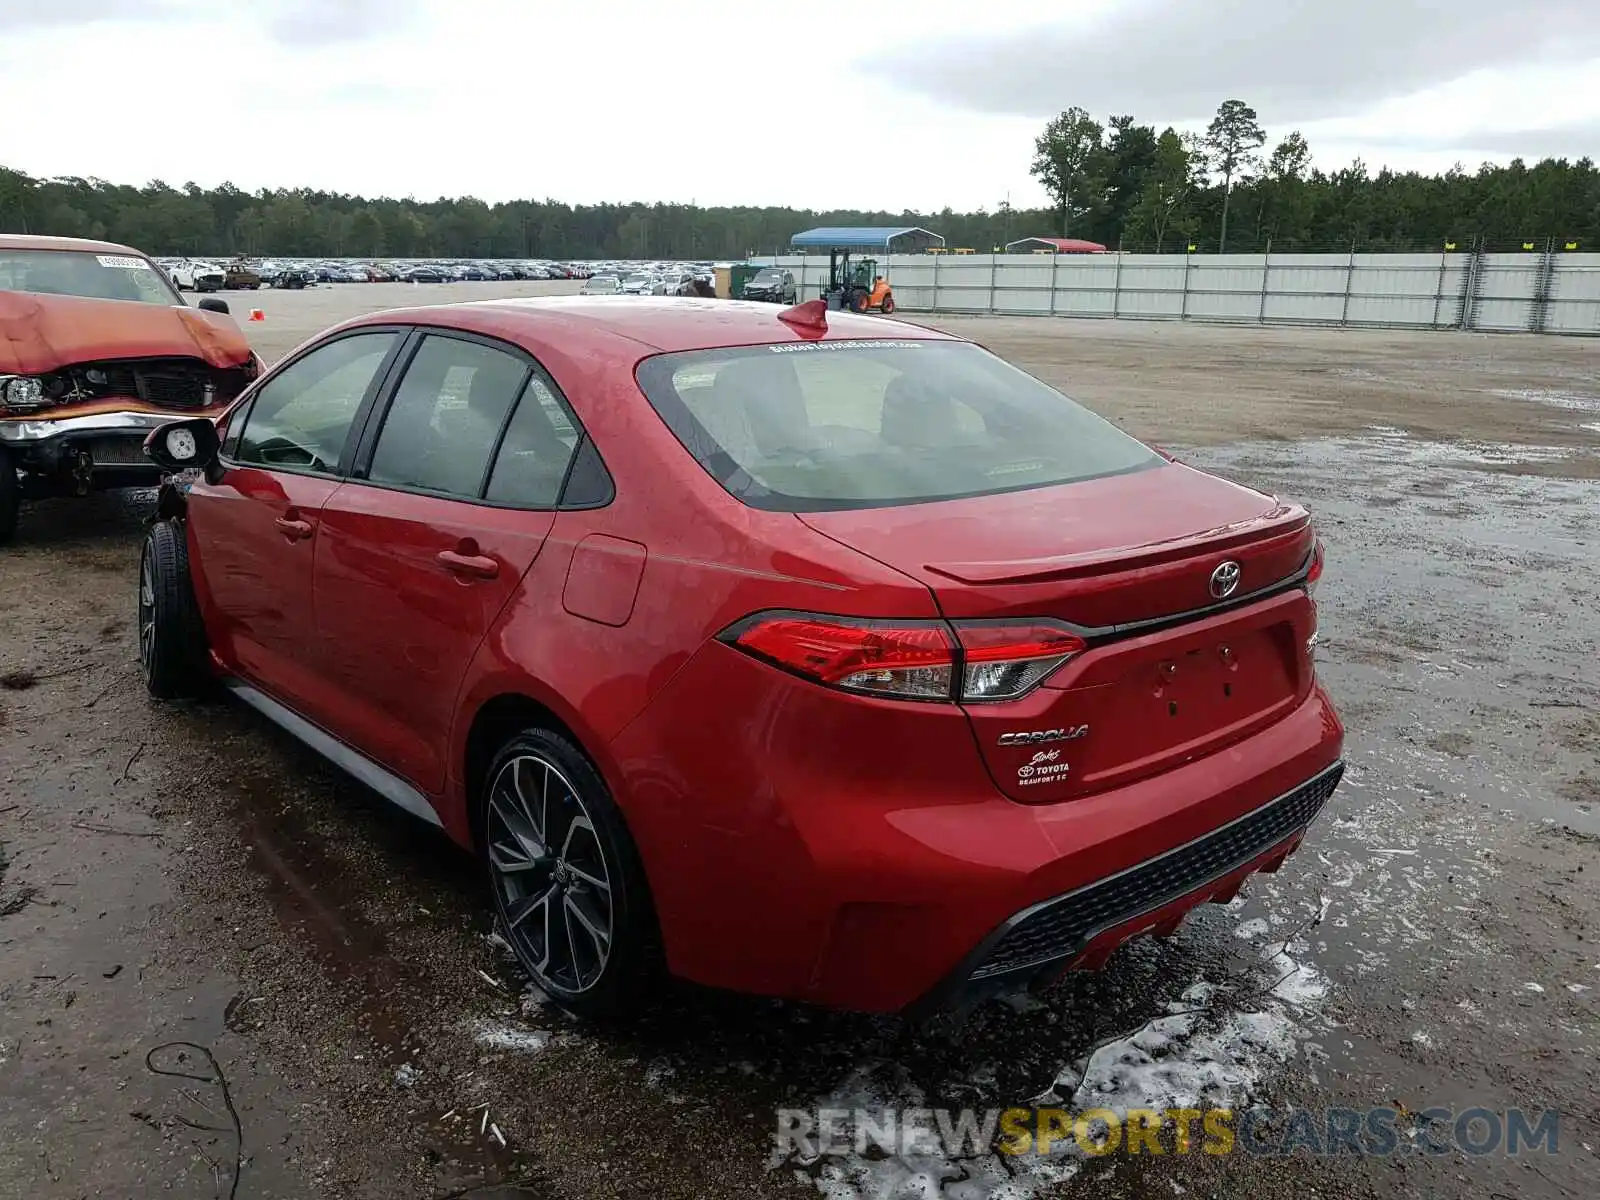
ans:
x=446 y=417
x=301 y=417
x=88 y=275
x=808 y=426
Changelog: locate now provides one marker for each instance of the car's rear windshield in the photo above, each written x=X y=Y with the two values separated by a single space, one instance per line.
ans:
x=77 y=273
x=809 y=426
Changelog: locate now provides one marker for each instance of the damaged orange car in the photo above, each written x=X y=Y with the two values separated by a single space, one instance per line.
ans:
x=97 y=348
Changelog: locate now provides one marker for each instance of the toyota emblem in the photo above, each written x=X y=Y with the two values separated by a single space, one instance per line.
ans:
x=1225 y=580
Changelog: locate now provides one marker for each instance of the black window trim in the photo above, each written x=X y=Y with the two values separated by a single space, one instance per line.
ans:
x=380 y=381
x=378 y=411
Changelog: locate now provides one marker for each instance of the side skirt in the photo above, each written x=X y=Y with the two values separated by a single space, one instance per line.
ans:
x=381 y=780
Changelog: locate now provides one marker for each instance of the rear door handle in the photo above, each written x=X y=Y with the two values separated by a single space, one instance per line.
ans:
x=293 y=529
x=473 y=566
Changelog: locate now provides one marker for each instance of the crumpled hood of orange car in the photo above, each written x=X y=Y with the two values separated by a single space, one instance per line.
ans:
x=44 y=333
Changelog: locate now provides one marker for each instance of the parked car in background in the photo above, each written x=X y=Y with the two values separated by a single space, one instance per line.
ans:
x=97 y=348
x=644 y=284
x=773 y=284
x=198 y=276
x=240 y=275
x=293 y=278
x=928 y=684
x=601 y=285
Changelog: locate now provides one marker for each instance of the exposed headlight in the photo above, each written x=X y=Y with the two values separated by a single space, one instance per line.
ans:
x=21 y=391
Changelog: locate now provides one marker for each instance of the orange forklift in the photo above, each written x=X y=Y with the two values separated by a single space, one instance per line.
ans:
x=856 y=285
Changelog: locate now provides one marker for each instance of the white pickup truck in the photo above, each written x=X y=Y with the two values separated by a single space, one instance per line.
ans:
x=198 y=276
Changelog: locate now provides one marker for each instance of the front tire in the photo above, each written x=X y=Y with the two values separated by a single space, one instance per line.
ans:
x=565 y=876
x=171 y=638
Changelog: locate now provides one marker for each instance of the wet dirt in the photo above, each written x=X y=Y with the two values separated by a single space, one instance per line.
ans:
x=186 y=872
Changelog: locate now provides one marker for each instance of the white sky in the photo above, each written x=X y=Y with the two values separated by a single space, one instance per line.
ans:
x=885 y=104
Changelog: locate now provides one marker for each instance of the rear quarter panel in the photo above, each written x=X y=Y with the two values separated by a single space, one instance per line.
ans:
x=707 y=561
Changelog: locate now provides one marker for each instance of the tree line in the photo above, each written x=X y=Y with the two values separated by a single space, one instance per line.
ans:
x=1124 y=184
x=1119 y=183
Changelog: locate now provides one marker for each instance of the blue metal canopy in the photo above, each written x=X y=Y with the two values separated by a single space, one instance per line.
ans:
x=875 y=237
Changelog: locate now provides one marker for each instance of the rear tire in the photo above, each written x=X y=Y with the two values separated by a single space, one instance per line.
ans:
x=10 y=497
x=565 y=878
x=888 y=305
x=172 y=648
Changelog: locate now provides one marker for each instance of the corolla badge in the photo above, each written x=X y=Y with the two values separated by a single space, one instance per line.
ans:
x=1225 y=580
x=1035 y=737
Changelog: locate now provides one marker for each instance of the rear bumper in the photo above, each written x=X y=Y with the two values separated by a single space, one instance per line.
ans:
x=856 y=853
x=1082 y=928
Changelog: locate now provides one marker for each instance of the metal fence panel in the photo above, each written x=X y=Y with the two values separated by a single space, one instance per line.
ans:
x=1547 y=292
x=1574 y=303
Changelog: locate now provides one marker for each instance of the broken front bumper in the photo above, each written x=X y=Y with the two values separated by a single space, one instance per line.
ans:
x=104 y=449
x=18 y=431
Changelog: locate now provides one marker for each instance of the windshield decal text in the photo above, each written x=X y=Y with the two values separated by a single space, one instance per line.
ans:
x=804 y=347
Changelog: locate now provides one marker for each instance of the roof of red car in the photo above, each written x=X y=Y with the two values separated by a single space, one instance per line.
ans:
x=23 y=241
x=665 y=323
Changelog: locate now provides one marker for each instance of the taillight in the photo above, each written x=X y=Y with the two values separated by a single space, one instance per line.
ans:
x=909 y=660
x=1313 y=573
x=1005 y=659
x=913 y=660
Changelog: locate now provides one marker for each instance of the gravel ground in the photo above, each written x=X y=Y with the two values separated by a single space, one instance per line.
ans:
x=185 y=873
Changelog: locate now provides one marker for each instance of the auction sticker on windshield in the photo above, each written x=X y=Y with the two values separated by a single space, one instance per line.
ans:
x=122 y=262
x=803 y=347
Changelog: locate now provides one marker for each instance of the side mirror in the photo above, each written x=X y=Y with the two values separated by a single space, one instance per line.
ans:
x=212 y=304
x=185 y=446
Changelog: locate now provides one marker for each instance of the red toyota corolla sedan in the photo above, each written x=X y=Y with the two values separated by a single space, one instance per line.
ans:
x=794 y=652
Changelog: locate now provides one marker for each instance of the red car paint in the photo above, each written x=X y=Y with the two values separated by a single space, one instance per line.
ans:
x=798 y=840
x=41 y=333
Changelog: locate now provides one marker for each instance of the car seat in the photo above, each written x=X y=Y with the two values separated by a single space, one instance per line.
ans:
x=918 y=416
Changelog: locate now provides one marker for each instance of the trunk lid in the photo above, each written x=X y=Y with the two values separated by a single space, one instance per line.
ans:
x=40 y=333
x=1128 y=559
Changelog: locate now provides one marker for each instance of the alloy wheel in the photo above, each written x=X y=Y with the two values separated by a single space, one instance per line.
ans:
x=551 y=880
x=147 y=612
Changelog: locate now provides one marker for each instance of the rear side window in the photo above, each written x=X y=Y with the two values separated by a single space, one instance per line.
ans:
x=441 y=428
x=809 y=426
x=538 y=446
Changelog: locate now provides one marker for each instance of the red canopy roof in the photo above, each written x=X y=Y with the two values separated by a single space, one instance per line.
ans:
x=1062 y=245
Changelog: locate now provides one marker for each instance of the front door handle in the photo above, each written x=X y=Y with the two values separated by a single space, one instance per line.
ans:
x=474 y=566
x=293 y=529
